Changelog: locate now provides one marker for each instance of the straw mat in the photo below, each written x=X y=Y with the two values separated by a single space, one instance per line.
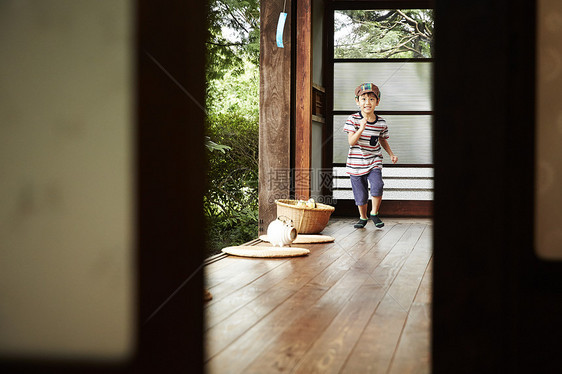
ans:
x=306 y=239
x=259 y=251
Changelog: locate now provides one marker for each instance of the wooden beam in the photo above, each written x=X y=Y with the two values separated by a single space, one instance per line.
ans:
x=390 y=208
x=303 y=97
x=275 y=112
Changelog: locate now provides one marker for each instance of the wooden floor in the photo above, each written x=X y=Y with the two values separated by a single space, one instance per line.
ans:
x=359 y=305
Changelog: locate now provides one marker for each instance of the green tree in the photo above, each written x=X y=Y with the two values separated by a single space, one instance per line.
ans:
x=384 y=33
x=231 y=202
x=233 y=57
x=234 y=29
x=234 y=92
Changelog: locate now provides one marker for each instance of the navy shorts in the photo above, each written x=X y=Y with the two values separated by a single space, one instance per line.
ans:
x=359 y=184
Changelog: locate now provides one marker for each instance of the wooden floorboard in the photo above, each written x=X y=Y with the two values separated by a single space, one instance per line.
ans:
x=333 y=347
x=360 y=304
x=413 y=352
x=375 y=348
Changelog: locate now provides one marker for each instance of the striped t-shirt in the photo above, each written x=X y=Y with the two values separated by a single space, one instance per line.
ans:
x=362 y=157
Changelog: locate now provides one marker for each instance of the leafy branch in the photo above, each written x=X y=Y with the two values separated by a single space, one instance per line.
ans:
x=384 y=33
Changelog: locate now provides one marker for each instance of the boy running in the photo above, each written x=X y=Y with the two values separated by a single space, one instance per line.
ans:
x=367 y=133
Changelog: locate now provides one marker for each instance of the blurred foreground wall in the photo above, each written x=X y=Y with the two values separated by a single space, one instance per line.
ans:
x=66 y=240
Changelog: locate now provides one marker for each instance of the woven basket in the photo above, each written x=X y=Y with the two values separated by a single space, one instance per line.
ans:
x=306 y=220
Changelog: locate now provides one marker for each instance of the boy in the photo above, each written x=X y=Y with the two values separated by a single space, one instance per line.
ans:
x=366 y=133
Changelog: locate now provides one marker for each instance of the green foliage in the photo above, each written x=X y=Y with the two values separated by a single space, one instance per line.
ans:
x=212 y=146
x=235 y=92
x=227 y=53
x=384 y=33
x=231 y=203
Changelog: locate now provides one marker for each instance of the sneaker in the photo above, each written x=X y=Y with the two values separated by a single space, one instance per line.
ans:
x=362 y=222
x=377 y=220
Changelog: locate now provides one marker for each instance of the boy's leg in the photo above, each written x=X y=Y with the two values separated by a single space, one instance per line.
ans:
x=363 y=219
x=375 y=178
x=360 y=189
x=376 y=204
x=363 y=211
x=375 y=211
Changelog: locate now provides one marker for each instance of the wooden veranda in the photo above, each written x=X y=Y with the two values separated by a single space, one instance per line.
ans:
x=361 y=304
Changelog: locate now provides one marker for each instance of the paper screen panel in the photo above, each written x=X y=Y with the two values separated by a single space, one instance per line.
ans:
x=404 y=85
x=410 y=139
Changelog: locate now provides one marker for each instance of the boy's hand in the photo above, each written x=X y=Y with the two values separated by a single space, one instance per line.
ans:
x=362 y=123
x=394 y=159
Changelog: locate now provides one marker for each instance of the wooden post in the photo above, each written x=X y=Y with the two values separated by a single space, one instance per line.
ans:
x=303 y=97
x=170 y=142
x=275 y=111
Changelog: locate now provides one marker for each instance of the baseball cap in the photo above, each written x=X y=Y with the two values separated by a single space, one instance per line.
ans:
x=367 y=87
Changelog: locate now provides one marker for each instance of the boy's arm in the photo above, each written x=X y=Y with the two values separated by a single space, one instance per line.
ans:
x=353 y=137
x=386 y=146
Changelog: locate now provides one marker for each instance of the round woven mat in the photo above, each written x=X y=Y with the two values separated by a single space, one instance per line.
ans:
x=258 y=251
x=307 y=239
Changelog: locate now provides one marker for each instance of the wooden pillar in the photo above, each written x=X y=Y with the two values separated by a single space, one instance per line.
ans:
x=303 y=97
x=170 y=169
x=275 y=111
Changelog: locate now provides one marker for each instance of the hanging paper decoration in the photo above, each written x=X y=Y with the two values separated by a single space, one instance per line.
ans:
x=280 y=27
